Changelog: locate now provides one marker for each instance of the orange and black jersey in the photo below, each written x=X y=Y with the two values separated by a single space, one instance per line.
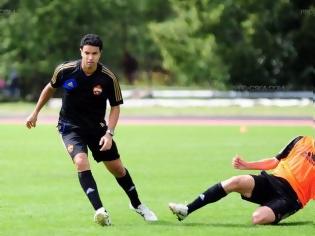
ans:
x=85 y=97
x=297 y=166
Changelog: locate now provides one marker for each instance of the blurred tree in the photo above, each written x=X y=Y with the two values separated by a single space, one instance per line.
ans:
x=216 y=43
x=239 y=43
x=41 y=34
x=188 y=45
x=268 y=52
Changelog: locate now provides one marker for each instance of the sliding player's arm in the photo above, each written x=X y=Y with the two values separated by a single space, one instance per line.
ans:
x=265 y=164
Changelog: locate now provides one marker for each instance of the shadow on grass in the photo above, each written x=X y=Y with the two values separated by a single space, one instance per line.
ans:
x=178 y=224
x=227 y=225
x=297 y=223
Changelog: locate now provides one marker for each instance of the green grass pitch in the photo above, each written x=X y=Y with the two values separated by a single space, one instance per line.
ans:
x=40 y=193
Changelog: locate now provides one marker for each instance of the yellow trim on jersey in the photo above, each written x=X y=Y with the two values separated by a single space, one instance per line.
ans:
x=62 y=67
x=118 y=95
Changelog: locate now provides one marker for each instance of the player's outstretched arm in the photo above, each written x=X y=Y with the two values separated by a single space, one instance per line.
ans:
x=46 y=93
x=266 y=164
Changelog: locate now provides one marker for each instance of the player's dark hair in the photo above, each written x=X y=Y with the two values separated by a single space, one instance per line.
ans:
x=91 y=39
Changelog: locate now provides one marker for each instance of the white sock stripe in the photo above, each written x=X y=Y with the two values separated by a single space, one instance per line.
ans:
x=132 y=188
x=202 y=197
x=90 y=190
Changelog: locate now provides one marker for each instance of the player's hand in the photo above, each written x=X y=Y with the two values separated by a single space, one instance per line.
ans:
x=239 y=163
x=106 y=142
x=31 y=121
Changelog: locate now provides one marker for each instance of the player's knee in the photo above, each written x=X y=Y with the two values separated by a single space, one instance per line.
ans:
x=116 y=170
x=233 y=183
x=259 y=218
x=256 y=218
x=81 y=163
x=119 y=172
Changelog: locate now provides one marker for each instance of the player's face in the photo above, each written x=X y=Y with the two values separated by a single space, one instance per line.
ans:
x=90 y=56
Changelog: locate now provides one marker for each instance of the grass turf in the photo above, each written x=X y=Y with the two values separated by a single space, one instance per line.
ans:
x=40 y=193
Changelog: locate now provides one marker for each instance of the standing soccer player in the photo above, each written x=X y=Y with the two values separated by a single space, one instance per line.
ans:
x=280 y=194
x=87 y=85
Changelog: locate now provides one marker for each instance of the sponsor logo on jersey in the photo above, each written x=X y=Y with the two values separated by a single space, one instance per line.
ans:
x=310 y=157
x=70 y=84
x=97 y=90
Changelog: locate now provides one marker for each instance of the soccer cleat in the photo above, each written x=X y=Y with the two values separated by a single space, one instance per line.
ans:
x=180 y=210
x=145 y=212
x=101 y=217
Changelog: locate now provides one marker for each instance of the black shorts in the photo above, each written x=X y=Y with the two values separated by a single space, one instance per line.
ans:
x=275 y=193
x=77 y=141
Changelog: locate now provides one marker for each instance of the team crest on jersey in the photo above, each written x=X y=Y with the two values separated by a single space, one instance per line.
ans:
x=70 y=84
x=97 y=90
x=70 y=148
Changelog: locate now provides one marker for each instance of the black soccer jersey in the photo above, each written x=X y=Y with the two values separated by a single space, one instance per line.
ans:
x=85 y=97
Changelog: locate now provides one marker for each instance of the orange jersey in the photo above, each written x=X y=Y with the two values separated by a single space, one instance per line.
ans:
x=297 y=166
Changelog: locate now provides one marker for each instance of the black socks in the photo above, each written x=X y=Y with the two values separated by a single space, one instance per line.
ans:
x=89 y=187
x=128 y=186
x=213 y=194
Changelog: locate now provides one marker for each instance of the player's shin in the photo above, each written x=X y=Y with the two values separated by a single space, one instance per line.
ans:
x=88 y=185
x=130 y=189
x=213 y=194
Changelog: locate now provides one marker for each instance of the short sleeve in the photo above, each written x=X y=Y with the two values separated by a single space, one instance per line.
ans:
x=55 y=79
x=114 y=93
x=285 y=152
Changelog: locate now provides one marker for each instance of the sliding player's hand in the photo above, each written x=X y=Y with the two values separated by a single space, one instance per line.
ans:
x=239 y=163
